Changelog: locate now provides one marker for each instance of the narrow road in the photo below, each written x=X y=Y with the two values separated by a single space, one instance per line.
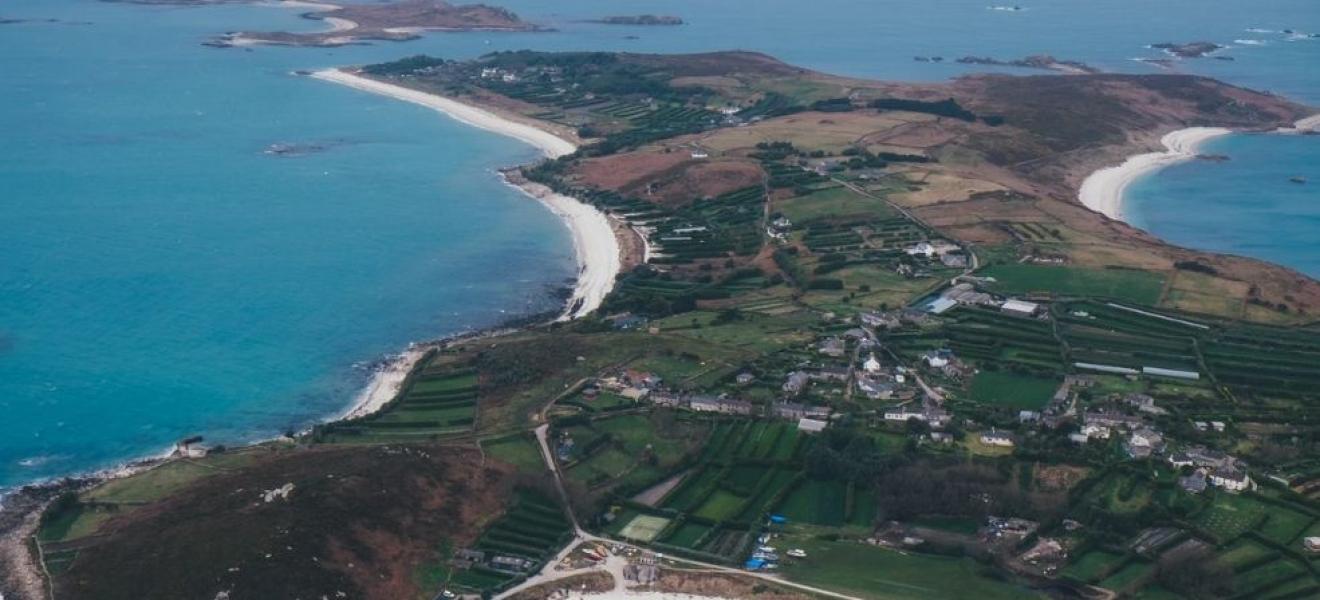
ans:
x=614 y=564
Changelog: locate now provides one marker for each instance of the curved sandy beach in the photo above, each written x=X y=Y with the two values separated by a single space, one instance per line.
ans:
x=549 y=144
x=1103 y=190
x=594 y=243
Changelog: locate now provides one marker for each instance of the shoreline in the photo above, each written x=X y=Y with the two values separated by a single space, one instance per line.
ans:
x=1103 y=190
x=594 y=243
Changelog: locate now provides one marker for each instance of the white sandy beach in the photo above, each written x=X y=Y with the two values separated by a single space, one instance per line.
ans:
x=1103 y=190
x=1310 y=124
x=384 y=384
x=593 y=239
x=551 y=145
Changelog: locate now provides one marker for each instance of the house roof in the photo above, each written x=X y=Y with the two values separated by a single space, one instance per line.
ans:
x=805 y=424
x=1021 y=306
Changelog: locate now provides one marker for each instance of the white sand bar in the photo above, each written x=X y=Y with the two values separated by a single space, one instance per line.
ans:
x=1103 y=190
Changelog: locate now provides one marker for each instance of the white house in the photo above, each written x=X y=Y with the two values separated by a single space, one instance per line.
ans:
x=1091 y=430
x=997 y=438
x=872 y=365
x=1312 y=543
x=936 y=359
x=1231 y=479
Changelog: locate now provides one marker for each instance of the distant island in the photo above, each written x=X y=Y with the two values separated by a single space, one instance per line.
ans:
x=396 y=21
x=638 y=20
x=1188 y=50
x=1038 y=61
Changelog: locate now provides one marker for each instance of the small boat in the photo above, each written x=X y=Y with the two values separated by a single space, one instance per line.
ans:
x=1297 y=179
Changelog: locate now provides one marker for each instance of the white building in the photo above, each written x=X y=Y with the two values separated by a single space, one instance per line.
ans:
x=997 y=438
x=901 y=415
x=872 y=364
x=935 y=359
x=1020 y=308
x=1091 y=430
x=811 y=425
x=1231 y=479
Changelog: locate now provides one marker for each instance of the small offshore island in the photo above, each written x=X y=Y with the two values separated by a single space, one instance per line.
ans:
x=848 y=338
x=649 y=20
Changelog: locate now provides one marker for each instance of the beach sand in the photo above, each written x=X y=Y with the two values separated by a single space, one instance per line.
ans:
x=385 y=384
x=597 y=248
x=1310 y=124
x=548 y=143
x=1103 y=190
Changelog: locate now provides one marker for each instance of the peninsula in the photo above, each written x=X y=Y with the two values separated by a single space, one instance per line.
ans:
x=857 y=327
x=393 y=21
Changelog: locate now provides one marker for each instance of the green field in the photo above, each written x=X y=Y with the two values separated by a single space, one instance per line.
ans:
x=833 y=203
x=1141 y=287
x=720 y=505
x=1093 y=565
x=632 y=449
x=1245 y=551
x=1001 y=388
x=1250 y=582
x=519 y=450
x=817 y=502
x=874 y=572
x=687 y=535
x=1284 y=525
x=1127 y=577
x=1230 y=516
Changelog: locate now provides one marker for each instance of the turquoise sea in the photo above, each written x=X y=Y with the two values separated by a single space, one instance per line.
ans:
x=162 y=276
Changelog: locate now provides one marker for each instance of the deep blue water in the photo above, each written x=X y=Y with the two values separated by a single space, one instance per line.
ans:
x=160 y=276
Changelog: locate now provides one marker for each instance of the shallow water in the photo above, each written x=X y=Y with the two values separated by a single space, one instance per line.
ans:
x=161 y=276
